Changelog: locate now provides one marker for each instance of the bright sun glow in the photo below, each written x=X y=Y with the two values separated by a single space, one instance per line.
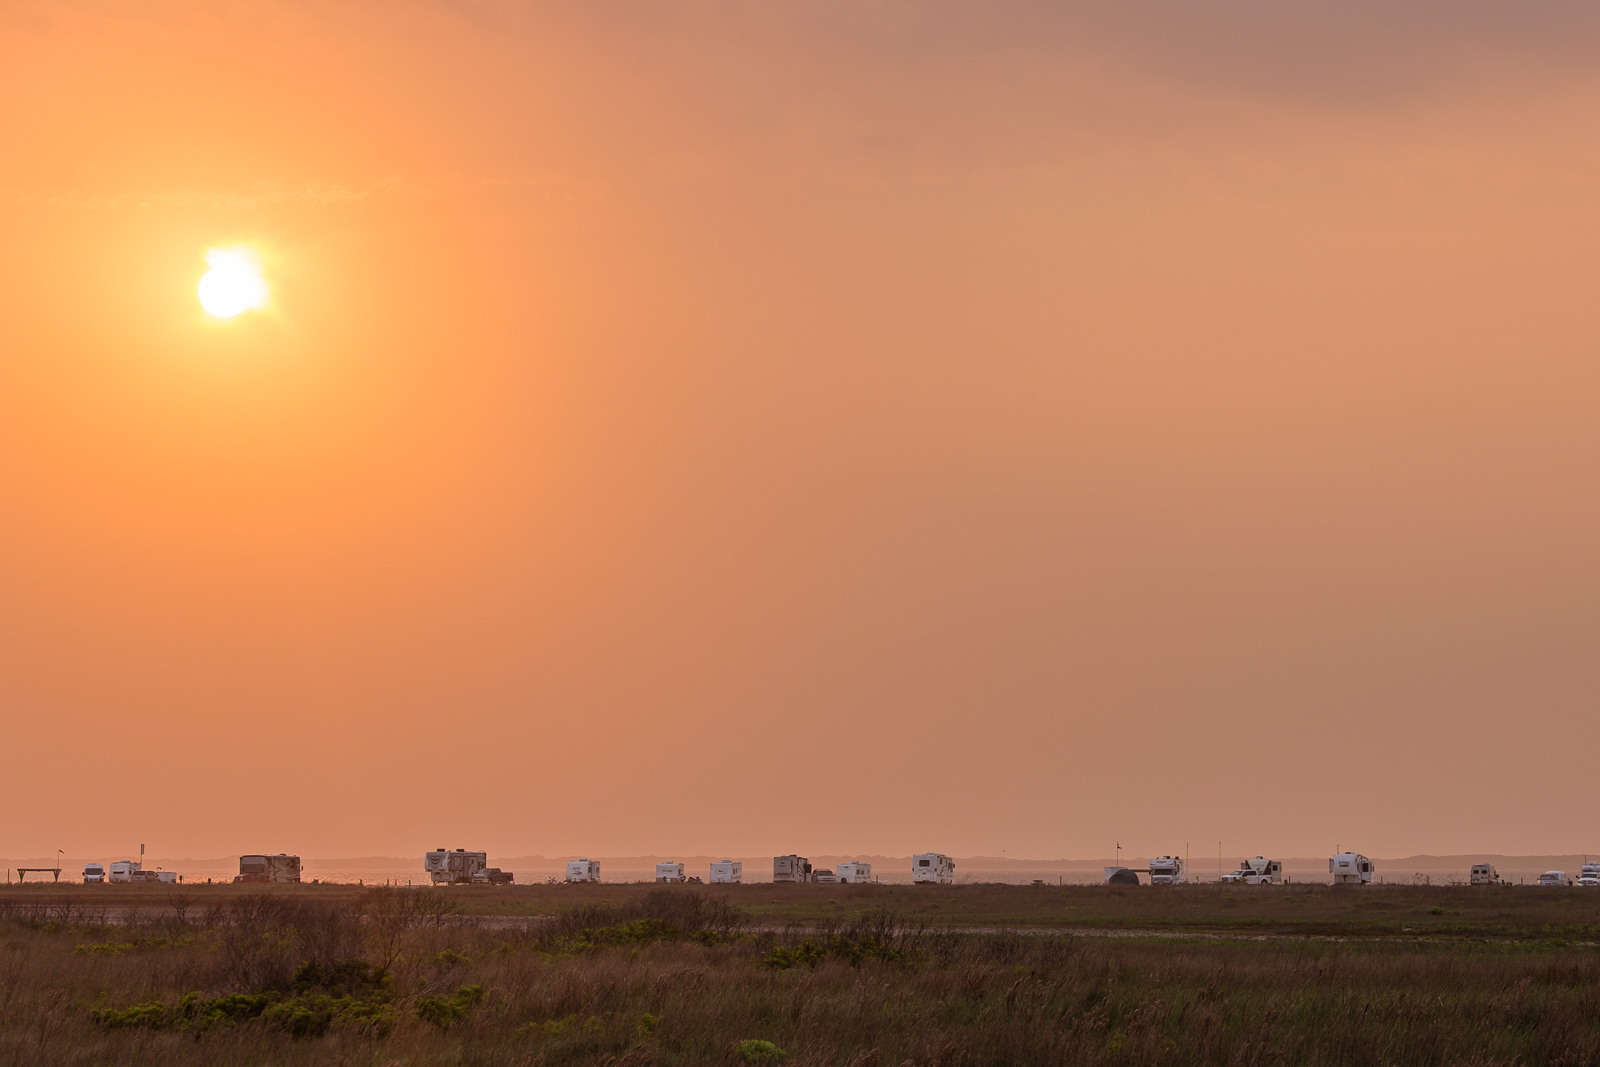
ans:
x=233 y=284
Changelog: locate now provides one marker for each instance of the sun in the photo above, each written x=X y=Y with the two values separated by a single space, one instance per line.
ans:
x=233 y=284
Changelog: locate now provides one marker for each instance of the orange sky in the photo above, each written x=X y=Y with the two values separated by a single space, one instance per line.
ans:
x=718 y=427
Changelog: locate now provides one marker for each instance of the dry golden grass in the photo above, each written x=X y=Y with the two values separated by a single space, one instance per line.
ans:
x=678 y=976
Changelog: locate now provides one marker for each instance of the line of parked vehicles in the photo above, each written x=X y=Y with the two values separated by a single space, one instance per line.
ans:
x=462 y=867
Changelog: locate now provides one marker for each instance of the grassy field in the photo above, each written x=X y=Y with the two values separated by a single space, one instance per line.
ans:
x=803 y=975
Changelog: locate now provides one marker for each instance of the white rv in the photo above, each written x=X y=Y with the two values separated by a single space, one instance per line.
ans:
x=933 y=867
x=93 y=874
x=1554 y=878
x=446 y=867
x=1259 y=871
x=584 y=870
x=1483 y=874
x=669 y=872
x=791 y=868
x=727 y=871
x=123 y=870
x=1350 y=868
x=1589 y=874
x=855 y=872
x=1166 y=870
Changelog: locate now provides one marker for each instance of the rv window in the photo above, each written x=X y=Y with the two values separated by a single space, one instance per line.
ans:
x=922 y=863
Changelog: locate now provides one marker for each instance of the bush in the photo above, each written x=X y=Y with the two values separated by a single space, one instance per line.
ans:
x=445 y=1012
x=754 y=1051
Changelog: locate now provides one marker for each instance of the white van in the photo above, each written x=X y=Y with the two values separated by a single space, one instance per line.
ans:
x=1554 y=878
x=93 y=873
x=1483 y=874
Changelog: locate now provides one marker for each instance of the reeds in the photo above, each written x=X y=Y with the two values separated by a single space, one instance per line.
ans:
x=397 y=977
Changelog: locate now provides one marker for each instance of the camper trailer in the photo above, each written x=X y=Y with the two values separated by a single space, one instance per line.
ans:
x=1166 y=870
x=280 y=868
x=446 y=867
x=584 y=870
x=1259 y=871
x=934 y=867
x=1350 y=868
x=727 y=872
x=1483 y=874
x=93 y=874
x=1589 y=874
x=855 y=872
x=123 y=871
x=791 y=868
x=670 y=872
x=1556 y=878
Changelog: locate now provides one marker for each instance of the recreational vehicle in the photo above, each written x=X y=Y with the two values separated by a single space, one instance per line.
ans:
x=584 y=870
x=1589 y=874
x=1483 y=874
x=280 y=868
x=446 y=867
x=1554 y=878
x=855 y=872
x=727 y=871
x=93 y=874
x=123 y=871
x=933 y=867
x=791 y=868
x=1259 y=871
x=670 y=872
x=1350 y=868
x=1166 y=870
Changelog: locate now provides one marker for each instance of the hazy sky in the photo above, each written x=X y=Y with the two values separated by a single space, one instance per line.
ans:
x=720 y=427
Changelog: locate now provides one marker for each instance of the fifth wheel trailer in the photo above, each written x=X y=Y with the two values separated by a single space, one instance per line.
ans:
x=279 y=868
x=791 y=868
x=584 y=870
x=446 y=867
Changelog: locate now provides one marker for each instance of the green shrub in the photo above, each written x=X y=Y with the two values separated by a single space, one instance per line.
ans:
x=445 y=1012
x=754 y=1051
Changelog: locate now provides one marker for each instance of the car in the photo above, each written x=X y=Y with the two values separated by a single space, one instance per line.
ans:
x=824 y=875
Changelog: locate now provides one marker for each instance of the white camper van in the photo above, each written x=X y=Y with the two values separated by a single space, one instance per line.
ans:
x=727 y=872
x=93 y=874
x=584 y=870
x=1166 y=870
x=1589 y=874
x=1259 y=871
x=669 y=872
x=791 y=868
x=1483 y=874
x=933 y=867
x=855 y=872
x=122 y=871
x=1350 y=868
x=446 y=867
x=1554 y=878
